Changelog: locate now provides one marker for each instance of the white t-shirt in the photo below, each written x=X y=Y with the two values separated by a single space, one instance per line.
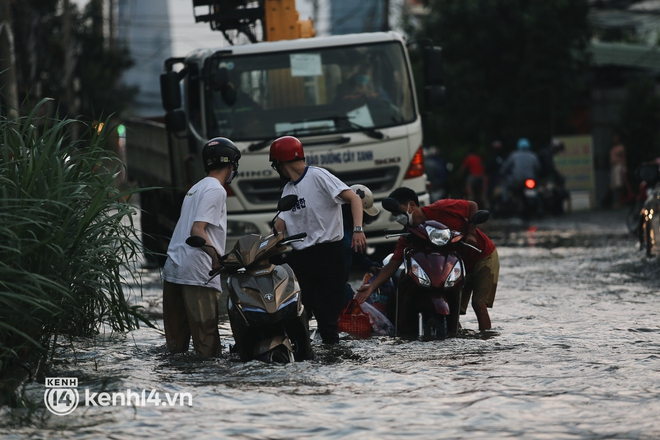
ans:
x=206 y=202
x=318 y=211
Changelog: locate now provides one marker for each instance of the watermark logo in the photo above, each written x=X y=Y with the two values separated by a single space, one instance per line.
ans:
x=61 y=395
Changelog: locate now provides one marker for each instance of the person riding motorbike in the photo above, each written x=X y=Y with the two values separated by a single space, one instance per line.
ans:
x=520 y=165
x=482 y=267
x=551 y=181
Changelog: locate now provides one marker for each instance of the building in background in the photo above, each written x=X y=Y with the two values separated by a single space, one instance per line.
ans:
x=156 y=30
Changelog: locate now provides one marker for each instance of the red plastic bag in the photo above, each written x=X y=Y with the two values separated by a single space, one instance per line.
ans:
x=354 y=321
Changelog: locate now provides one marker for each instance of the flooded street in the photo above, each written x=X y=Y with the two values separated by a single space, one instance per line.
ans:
x=574 y=354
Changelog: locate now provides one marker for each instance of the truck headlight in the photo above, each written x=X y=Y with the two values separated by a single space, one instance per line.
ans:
x=241 y=228
x=417 y=270
x=454 y=275
x=438 y=237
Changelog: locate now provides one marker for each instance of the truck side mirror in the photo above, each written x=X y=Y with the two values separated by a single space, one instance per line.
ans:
x=434 y=97
x=433 y=65
x=175 y=120
x=170 y=92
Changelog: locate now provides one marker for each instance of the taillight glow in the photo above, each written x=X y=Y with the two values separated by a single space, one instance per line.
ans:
x=530 y=183
x=416 y=168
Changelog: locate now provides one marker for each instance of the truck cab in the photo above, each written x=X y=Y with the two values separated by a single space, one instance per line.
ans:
x=350 y=99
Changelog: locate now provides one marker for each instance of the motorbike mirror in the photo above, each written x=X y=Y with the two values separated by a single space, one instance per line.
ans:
x=195 y=241
x=391 y=205
x=287 y=203
x=480 y=216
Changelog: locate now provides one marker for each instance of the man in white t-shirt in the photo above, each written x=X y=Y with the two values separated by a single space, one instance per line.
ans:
x=318 y=261
x=190 y=306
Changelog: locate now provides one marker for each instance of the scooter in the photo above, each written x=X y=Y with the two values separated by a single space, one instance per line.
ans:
x=429 y=288
x=266 y=314
x=523 y=200
x=648 y=227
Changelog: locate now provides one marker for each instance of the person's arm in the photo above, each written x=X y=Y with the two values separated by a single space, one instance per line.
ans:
x=359 y=243
x=199 y=229
x=280 y=225
x=385 y=274
x=470 y=233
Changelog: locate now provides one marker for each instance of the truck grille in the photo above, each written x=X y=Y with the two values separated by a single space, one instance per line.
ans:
x=267 y=191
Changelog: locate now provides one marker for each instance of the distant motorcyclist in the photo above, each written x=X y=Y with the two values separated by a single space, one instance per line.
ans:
x=521 y=165
x=551 y=181
x=546 y=157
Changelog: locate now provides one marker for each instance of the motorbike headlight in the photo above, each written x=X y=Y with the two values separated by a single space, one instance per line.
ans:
x=454 y=275
x=438 y=237
x=417 y=270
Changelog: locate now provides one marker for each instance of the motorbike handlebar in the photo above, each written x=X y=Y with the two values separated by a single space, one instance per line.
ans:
x=295 y=237
x=469 y=245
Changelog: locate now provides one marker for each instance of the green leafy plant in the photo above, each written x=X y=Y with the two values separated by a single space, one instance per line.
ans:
x=67 y=241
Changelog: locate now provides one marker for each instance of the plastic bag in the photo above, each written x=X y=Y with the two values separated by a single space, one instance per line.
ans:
x=379 y=322
x=354 y=321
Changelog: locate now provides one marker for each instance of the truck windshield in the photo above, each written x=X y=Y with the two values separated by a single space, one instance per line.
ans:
x=320 y=91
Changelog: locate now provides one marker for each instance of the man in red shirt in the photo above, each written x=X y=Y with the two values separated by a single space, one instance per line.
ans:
x=475 y=182
x=482 y=268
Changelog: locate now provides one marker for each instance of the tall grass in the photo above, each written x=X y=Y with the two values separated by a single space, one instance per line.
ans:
x=66 y=236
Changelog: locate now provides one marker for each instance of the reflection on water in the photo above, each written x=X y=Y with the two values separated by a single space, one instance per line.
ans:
x=574 y=353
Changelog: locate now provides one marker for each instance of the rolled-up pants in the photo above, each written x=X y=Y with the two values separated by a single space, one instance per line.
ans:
x=191 y=311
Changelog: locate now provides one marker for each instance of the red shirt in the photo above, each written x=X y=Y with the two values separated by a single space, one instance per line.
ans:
x=473 y=165
x=453 y=213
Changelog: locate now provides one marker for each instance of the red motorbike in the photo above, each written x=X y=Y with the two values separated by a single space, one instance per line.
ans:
x=428 y=295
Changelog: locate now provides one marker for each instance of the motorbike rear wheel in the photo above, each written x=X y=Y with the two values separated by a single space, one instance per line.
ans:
x=435 y=328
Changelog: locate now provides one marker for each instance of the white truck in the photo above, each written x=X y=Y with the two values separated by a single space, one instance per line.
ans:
x=350 y=100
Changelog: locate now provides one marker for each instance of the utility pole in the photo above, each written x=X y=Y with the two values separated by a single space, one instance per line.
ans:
x=96 y=8
x=385 y=24
x=8 y=86
x=112 y=34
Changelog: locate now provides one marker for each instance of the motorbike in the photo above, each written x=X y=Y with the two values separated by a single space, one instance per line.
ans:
x=523 y=200
x=266 y=314
x=429 y=288
x=552 y=195
x=647 y=226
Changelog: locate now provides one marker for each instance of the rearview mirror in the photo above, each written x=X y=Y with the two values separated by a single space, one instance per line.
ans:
x=170 y=92
x=195 y=241
x=433 y=66
x=287 y=203
x=391 y=205
x=480 y=216
x=175 y=120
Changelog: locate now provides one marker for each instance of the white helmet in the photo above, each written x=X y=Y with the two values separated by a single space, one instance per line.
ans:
x=367 y=199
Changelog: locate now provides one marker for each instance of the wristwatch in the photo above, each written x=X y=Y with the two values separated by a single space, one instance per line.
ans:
x=358 y=229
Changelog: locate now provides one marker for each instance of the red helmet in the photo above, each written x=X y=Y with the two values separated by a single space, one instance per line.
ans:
x=286 y=149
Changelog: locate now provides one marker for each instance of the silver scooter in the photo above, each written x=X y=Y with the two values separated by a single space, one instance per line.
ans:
x=266 y=314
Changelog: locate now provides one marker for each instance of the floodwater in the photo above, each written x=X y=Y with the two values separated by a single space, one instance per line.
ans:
x=574 y=353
